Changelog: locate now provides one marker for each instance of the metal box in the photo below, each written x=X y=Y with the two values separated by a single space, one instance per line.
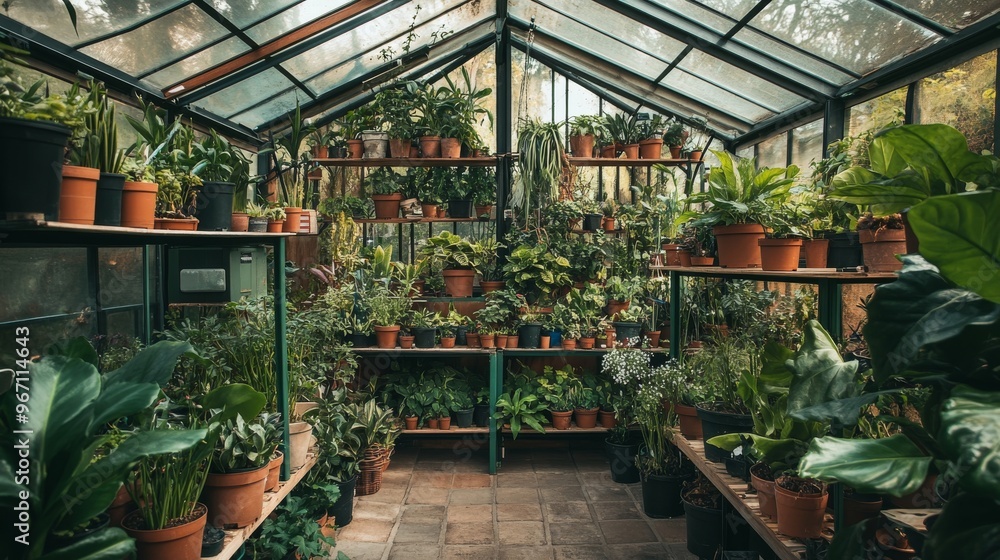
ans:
x=215 y=275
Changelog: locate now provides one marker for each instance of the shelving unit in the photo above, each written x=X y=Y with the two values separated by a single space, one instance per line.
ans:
x=236 y=537
x=485 y=161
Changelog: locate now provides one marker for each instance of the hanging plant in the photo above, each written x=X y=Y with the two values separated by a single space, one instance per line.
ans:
x=541 y=152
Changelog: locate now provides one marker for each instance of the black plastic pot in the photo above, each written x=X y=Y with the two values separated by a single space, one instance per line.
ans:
x=258 y=225
x=592 y=222
x=337 y=151
x=423 y=337
x=343 y=509
x=460 y=338
x=845 y=250
x=31 y=156
x=738 y=467
x=627 y=331
x=704 y=530
x=529 y=335
x=108 y=206
x=460 y=208
x=661 y=495
x=481 y=415
x=212 y=541
x=463 y=418
x=213 y=206
x=623 y=469
x=358 y=340
x=718 y=423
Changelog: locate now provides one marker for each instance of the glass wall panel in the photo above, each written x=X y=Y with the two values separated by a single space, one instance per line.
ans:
x=746 y=152
x=94 y=19
x=198 y=62
x=695 y=12
x=953 y=13
x=56 y=273
x=855 y=34
x=531 y=95
x=161 y=40
x=773 y=152
x=582 y=101
x=483 y=73
x=292 y=18
x=963 y=97
x=120 y=271
x=240 y=96
x=877 y=113
x=273 y=108
x=735 y=9
x=807 y=146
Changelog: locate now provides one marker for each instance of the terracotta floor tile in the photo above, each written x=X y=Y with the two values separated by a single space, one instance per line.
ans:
x=517 y=480
x=427 y=496
x=616 y=510
x=469 y=480
x=567 y=511
x=679 y=551
x=526 y=553
x=607 y=494
x=420 y=513
x=627 y=531
x=670 y=530
x=577 y=532
x=469 y=533
x=517 y=495
x=564 y=479
x=640 y=552
x=480 y=513
x=471 y=496
x=387 y=495
x=522 y=532
x=376 y=510
x=519 y=512
x=468 y=552
x=360 y=550
x=366 y=530
x=597 y=478
x=431 y=480
x=562 y=494
x=580 y=553
x=414 y=552
x=425 y=533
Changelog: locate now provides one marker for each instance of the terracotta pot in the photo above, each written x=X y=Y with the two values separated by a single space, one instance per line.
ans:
x=447 y=342
x=586 y=342
x=406 y=341
x=78 y=194
x=355 y=148
x=543 y=341
x=816 y=251
x=414 y=150
x=458 y=281
x=235 y=499
x=487 y=340
x=442 y=212
x=387 y=205
x=675 y=152
x=430 y=146
x=615 y=307
x=684 y=257
x=568 y=343
x=274 y=472
x=610 y=337
x=695 y=155
x=608 y=224
x=702 y=261
x=399 y=148
x=859 y=507
x=386 y=336
x=411 y=422
x=654 y=338
x=472 y=339
x=672 y=254
x=561 y=420
x=491 y=286
x=800 y=515
x=139 y=204
x=881 y=247
x=176 y=224
x=484 y=211
x=690 y=424
x=631 y=151
x=299 y=440
x=444 y=423
x=779 y=254
x=582 y=145
x=293 y=219
x=501 y=340
x=586 y=417
x=651 y=148
x=121 y=506
x=451 y=148
x=429 y=210
x=182 y=542
x=765 y=495
x=738 y=246
x=608 y=152
x=433 y=423
x=240 y=222
x=607 y=418
x=512 y=340
x=275 y=226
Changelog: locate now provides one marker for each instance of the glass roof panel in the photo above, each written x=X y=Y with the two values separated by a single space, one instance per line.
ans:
x=696 y=88
x=246 y=93
x=198 y=62
x=765 y=43
x=855 y=34
x=160 y=40
x=697 y=13
x=280 y=105
x=94 y=19
x=292 y=18
x=380 y=30
x=953 y=13
x=738 y=80
x=735 y=9
x=245 y=12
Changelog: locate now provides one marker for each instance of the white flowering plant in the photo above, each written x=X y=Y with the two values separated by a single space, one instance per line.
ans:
x=626 y=367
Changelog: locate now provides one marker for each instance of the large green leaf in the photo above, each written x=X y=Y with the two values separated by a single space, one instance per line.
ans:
x=970 y=435
x=124 y=399
x=78 y=347
x=969 y=527
x=233 y=399
x=918 y=309
x=772 y=451
x=937 y=150
x=892 y=465
x=844 y=411
x=774 y=373
x=153 y=364
x=820 y=373
x=110 y=543
x=960 y=234
x=861 y=186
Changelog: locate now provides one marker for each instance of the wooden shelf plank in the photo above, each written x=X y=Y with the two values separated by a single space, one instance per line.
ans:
x=408 y=162
x=735 y=491
x=622 y=162
x=236 y=537
x=576 y=352
x=549 y=430
x=417 y=351
x=417 y=220
x=38 y=225
x=454 y=430
x=802 y=274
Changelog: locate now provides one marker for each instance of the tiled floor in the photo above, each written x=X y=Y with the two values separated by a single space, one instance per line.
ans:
x=547 y=503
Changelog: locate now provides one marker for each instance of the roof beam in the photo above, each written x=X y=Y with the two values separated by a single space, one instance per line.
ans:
x=758 y=8
x=321 y=26
x=706 y=39
x=914 y=16
x=799 y=114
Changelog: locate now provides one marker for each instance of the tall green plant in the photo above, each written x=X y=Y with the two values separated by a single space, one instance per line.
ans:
x=99 y=147
x=738 y=192
x=540 y=163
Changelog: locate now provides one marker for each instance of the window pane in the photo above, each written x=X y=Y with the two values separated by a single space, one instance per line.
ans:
x=292 y=18
x=735 y=9
x=713 y=96
x=94 y=19
x=807 y=145
x=953 y=13
x=198 y=62
x=240 y=96
x=244 y=12
x=855 y=34
x=877 y=113
x=735 y=79
x=163 y=39
x=796 y=59
x=772 y=152
x=120 y=276
x=42 y=282
x=582 y=101
x=273 y=108
x=699 y=14
x=963 y=97
x=746 y=152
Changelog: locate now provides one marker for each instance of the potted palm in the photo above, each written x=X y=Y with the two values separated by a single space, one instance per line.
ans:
x=738 y=196
x=650 y=133
x=623 y=130
x=218 y=164
x=427 y=101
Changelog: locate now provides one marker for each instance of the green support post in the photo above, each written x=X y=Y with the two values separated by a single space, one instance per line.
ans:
x=496 y=383
x=830 y=317
x=675 y=315
x=281 y=351
x=147 y=294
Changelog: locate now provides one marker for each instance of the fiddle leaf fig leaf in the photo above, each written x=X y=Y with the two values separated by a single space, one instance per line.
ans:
x=820 y=373
x=893 y=465
x=970 y=435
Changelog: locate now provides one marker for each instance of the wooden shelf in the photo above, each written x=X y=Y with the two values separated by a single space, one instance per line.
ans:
x=408 y=162
x=236 y=537
x=420 y=220
x=622 y=162
x=453 y=431
x=735 y=491
x=569 y=353
x=458 y=350
x=40 y=232
x=549 y=430
x=802 y=274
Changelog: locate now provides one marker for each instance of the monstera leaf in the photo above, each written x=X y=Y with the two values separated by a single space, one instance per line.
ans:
x=893 y=465
x=970 y=436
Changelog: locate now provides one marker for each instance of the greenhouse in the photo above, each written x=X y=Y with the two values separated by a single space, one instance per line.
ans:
x=499 y=279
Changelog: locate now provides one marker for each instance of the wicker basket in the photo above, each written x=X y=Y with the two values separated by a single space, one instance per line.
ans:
x=374 y=463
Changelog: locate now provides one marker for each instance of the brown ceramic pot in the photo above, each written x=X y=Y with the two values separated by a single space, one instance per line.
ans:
x=586 y=417
x=386 y=336
x=78 y=194
x=235 y=499
x=779 y=254
x=181 y=542
x=561 y=420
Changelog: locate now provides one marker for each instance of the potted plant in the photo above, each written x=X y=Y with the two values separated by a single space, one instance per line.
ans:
x=427 y=102
x=397 y=111
x=98 y=148
x=624 y=366
x=703 y=517
x=275 y=218
x=584 y=131
x=882 y=238
x=556 y=388
x=458 y=258
x=738 y=196
x=674 y=136
x=138 y=195
x=650 y=133
x=724 y=364
x=482 y=184
x=294 y=532
x=424 y=325
x=491 y=276
x=338 y=451
x=385 y=187
x=586 y=403
x=566 y=320
x=219 y=165
x=457 y=191
x=386 y=311
x=518 y=409
x=175 y=197
x=624 y=131
x=541 y=164
x=587 y=305
x=562 y=216
x=537 y=273
x=461 y=406
x=780 y=249
x=609 y=208
x=377 y=430
x=350 y=128
x=238 y=471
